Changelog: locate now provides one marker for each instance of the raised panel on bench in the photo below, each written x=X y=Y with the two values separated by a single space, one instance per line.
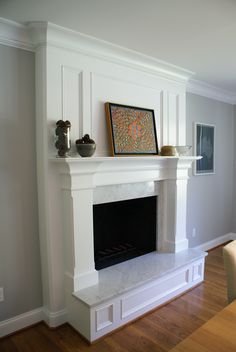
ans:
x=153 y=293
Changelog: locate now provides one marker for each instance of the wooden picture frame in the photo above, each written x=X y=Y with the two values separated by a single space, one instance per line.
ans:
x=132 y=130
x=204 y=145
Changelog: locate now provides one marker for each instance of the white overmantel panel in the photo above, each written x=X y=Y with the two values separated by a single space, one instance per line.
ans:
x=78 y=87
x=83 y=73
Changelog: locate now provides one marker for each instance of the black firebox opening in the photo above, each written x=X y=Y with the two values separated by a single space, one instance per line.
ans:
x=124 y=230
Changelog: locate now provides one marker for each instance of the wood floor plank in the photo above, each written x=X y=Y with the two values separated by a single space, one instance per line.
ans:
x=158 y=331
x=8 y=345
x=136 y=340
x=158 y=335
x=218 y=334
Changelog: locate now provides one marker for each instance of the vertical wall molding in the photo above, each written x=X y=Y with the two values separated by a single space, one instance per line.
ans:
x=161 y=118
x=165 y=120
x=177 y=120
x=73 y=87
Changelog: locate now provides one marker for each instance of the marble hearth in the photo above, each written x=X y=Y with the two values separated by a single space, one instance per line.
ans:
x=98 y=302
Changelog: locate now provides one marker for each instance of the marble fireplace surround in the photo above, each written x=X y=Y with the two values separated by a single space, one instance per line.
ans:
x=90 y=298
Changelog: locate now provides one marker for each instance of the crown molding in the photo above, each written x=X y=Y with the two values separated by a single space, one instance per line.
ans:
x=207 y=90
x=71 y=40
x=15 y=34
x=34 y=34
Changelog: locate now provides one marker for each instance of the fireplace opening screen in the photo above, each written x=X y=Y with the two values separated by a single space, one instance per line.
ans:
x=124 y=230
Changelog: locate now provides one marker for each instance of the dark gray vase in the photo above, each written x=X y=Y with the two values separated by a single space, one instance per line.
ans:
x=86 y=150
x=85 y=146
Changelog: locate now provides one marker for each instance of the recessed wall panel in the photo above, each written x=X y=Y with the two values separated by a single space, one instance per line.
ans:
x=109 y=89
x=72 y=90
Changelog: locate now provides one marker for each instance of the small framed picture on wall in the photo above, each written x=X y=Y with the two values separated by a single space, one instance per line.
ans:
x=204 y=145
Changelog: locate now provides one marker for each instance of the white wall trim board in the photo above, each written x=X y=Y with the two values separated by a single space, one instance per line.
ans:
x=54 y=319
x=217 y=241
x=207 y=90
x=20 y=321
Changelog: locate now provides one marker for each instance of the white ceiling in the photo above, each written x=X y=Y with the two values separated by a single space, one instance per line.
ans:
x=198 y=35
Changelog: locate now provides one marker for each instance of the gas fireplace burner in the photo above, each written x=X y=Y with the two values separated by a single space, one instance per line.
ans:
x=116 y=254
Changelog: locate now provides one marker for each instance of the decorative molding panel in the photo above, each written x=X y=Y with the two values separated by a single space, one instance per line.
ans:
x=152 y=293
x=198 y=271
x=104 y=317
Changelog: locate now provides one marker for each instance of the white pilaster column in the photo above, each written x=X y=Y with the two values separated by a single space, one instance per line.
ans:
x=84 y=269
x=174 y=215
x=78 y=229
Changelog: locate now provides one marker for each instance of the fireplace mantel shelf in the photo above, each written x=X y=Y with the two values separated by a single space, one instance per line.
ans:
x=91 y=172
x=111 y=159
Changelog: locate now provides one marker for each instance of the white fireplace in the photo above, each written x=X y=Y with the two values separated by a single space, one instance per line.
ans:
x=75 y=76
x=89 y=181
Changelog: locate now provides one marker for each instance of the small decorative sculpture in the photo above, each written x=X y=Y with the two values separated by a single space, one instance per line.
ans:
x=63 y=143
x=168 y=150
x=85 y=146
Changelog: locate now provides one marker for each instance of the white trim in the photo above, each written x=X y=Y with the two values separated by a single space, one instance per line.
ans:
x=15 y=34
x=54 y=319
x=217 y=241
x=20 y=322
x=210 y=91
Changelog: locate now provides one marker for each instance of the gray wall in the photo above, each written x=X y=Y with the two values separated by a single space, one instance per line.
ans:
x=234 y=183
x=19 y=243
x=210 y=197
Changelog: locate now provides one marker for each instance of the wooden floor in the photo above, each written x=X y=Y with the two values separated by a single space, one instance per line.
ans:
x=158 y=331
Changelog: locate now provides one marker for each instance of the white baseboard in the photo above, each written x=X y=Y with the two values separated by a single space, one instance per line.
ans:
x=217 y=241
x=52 y=319
x=20 y=321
